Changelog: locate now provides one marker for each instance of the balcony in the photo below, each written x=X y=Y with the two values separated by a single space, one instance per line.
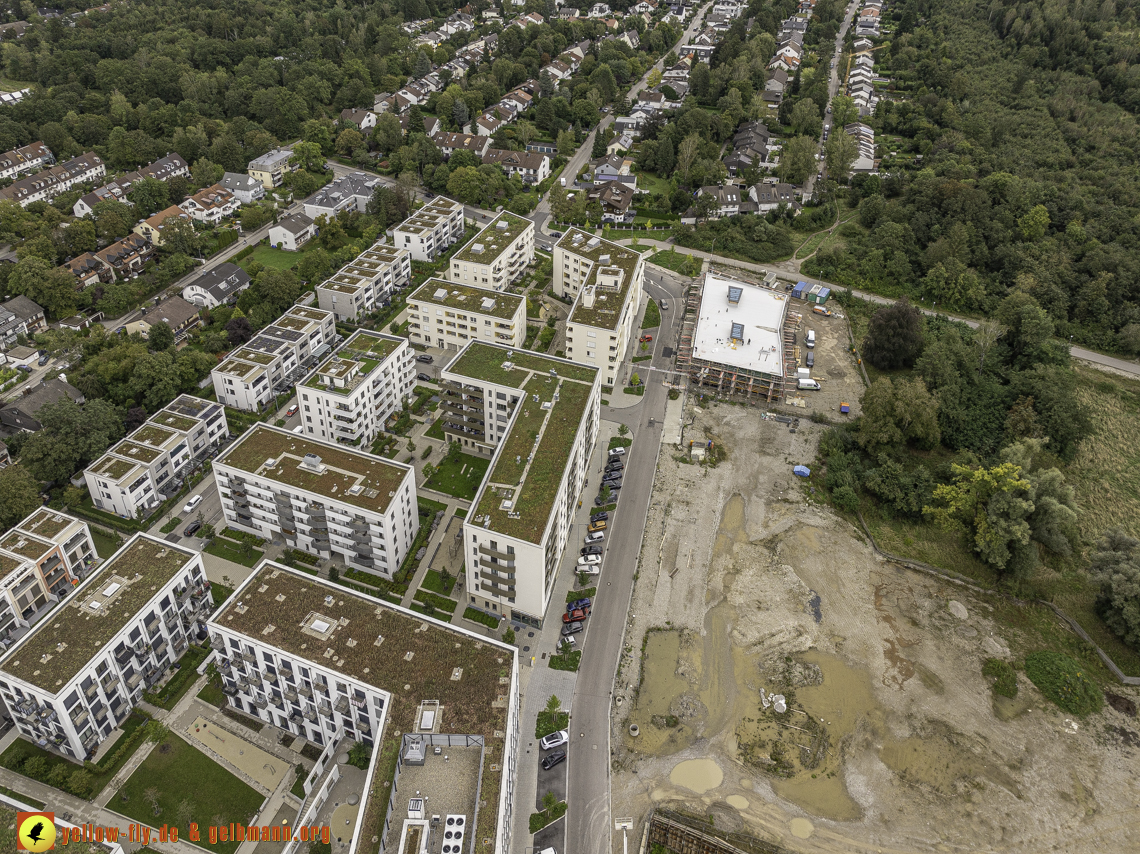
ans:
x=250 y=657
x=261 y=703
x=254 y=678
x=310 y=715
x=109 y=684
x=503 y=556
x=305 y=691
x=92 y=691
x=80 y=719
x=325 y=709
x=271 y=678
x=133 y=680
x=341 y=705
x=291 y=696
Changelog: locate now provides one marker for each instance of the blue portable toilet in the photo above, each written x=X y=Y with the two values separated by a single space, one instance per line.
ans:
x=801 y=471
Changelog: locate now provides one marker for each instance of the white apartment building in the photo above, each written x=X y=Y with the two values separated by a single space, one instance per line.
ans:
x=334 y=666
x=364 y=284
x=449 y=314
x=41 y=559
x=323 y=499
x=141 y=471
x=76 y=676
x=513 y=537
x=270 y=363
x=431 y=229
x=350 y=395
x=606 y=280
x=497 y=255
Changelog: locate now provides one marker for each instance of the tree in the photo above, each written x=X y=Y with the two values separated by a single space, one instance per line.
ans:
x=686 y=154
x=149 y=195
x=206 y=173
x=179 y=236
x=422 y=65
x=898 y=412
x=843 y=111
x=156 y=731
x=840 y=152
x=308 y=156
x=387 y=136
x=805 y=118
x=113 y=220
x=706 y=204
x=184 y=813
x=160 y=336
x=44 y=284
x=239 y=331
x=151 y=797
x=349 y=140
x=79 y=783
x=19 y=495
x=566 y=143
x=894 y=336
x=1034 y=224
x=797 y=160
x=1116 y=565
x=467 y=185
x=553 y=705
x=666 y=158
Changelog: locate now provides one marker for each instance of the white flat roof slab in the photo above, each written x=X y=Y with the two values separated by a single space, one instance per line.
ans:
x=761 y=313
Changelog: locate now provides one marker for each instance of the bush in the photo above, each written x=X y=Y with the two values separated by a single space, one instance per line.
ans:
x=845 y=499
x=359 y=755
x=1064 y=682
x=1004 y=676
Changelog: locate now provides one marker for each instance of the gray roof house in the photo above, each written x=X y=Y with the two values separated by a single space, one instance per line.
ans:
x=220 y=286
x=246 y=188
x=21 y=414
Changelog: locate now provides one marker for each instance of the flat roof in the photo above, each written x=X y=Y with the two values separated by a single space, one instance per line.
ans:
x=416 y=660
x=238 y=368
x=364 y=348
x=468 y=298
x=152 y=434
x=317 y=314
x=344 y=468
x=134 y=451
x=25 y=545
x=58 y=647
x=495 y=237
x=255 y=356
x=8 y=564
x=517 y=494
x=47 y=523
x=608 y=305
x=113 y=468
x=430 y=215
x=759 y=313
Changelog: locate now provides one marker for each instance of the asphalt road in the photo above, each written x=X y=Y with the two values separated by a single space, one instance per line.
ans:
x=588 y=821
x=833 y=88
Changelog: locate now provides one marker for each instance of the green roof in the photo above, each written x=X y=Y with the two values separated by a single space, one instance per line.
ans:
x=468 y=298
x=319 y=315
x=134 y=451
x=174 y=421
x=365 y=349
x=607 y=309
x=75 y=632
x=7 y=564
x=344 y=468
x=429 y=216
x=489 y=243
x=237 y=367
x=25 y=545
x=47 y=523
x=151 y=434
x=113 y=468
x=485 y=362
x=258 y=358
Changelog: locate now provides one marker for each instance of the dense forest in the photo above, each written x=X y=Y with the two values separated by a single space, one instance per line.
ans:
x=1021 y=117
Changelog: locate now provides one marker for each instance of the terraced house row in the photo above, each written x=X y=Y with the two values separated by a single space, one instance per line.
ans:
x=362 y=286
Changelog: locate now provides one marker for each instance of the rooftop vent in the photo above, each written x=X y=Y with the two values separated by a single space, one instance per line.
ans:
x=328 y=600
x=313 y=463
x=604 y=259
x=738 y=332
x=734 y=294
x=416 y=808
x=478 y=247
x=594 y=241
x=440 y=294
x=487 y=304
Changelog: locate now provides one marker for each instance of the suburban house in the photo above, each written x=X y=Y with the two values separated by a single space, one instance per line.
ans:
x=728 y=199
x=219 y=286
x=152 y=227
x=21 y=161
x=616 y=198
x=180 y=315
x=28 y=313
x=270 y=168
x=163 y=169
x=89 y=270
x=360 y=119
x=768 y=197
x=21 y=413
x=449 y=143
x=245 y=188
x=349 y=192
x=211 y=205
x=127 y=256
x=530 y=166
x=292 y=232
x=55 y=180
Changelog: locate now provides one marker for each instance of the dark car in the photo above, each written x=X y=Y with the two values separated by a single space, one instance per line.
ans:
x=600 y=517
x=590 y=550
x=810 y=360
x=576 y=616
x=27 y=369
x=44 y=359
x=552 y=759
x=612 y=482
x=425 y=358
x=578 y=603
x=599 y=502
x=571 y=629
x=192 y=529
x=422 y=377
x=616 y=465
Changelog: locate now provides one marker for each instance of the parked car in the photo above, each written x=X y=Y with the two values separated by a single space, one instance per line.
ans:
x=615 y=466
x=555 y=739
x=576 y=616
x=291 y=411
x=600 y=525
x=664 y=305
x=571 y=629
x=810 y=360
x=424 y=357
x=612 y=482
x=598 y=517
x=578 y=603
x=424 y=377
x=27 y=369
x=617 y=452
x=600 y=502
x=44 y=359
x=588 y=570
x=192 y=504
x=192 y=529
x=299 y=429
x=645 y=339
x=552 y=759
x=589 y=560
x=590 y=550
x=595 y=537
x=819 y=309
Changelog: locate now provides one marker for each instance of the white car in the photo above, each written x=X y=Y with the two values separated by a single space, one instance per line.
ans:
x=589 y=560
x=555 y=739
x=192 y=503
x=590 y=570
x=595 y=537
x=617 y=452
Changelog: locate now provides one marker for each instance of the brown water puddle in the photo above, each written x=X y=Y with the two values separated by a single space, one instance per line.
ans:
x=935 y=761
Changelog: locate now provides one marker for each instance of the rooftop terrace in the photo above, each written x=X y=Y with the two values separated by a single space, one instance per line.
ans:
x=468 y=298
x=57 y=648
x=489 y=243
x=365 y=349
x=350 y=477
x=486 y=362
x=608 y=304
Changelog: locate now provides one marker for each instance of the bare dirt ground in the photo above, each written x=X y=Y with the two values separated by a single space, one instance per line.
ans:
x=891 y=741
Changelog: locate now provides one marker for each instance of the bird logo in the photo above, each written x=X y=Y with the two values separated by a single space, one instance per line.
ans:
x=36 y=831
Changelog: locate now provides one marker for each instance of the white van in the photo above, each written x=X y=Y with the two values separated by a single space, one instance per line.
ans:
x=809 y=385
x=810 y=341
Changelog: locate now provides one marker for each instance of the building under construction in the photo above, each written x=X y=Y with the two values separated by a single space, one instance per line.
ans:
x=739 y=338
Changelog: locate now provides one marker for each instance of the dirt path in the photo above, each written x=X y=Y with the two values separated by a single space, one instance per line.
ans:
x=890 y=740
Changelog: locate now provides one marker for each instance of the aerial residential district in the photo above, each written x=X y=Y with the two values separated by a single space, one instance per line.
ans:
x=513 y=428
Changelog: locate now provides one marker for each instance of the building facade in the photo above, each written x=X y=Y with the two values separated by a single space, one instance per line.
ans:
x=351 y=395
x=323 y=499
x=497 y=255
x=605 y=280
x=431 y=229
x=449 y=315
x=271 y=168
x=139 y=472
x=514 y=536
x=361 y=286
x=77 y=674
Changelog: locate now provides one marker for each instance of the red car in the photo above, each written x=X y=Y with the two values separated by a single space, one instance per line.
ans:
x=646 y=339
x=576 y=616
x=291 y=411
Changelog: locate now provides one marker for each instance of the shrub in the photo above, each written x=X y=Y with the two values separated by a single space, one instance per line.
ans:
x=1004 y=676
x=1064 y=682
x=845 y=498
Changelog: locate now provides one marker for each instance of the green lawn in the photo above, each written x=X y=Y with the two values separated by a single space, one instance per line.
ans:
x=434 y=582
x=459 y=475
x=213 y=695
x=652 y=317
x=435 y=431
x=440 y=603
x=104 y=545
x=570 y=661
x=171 y=525
x=186 y=675
x=678 y=262
x=477 y=616
x=267 y=256
x=230 y=550
x=181 y=773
